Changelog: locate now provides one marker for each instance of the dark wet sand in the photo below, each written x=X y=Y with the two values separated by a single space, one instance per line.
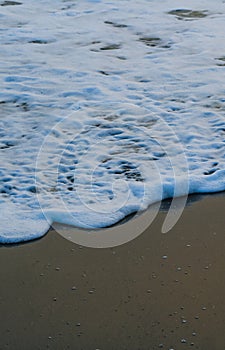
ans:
x=56 y=295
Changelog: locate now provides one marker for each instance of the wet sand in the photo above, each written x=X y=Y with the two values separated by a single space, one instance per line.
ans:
x=158 y=291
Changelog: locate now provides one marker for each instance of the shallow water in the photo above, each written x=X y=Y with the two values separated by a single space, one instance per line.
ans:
x=107 y=107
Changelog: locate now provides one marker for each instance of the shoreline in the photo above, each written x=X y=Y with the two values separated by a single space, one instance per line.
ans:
x=157 y=291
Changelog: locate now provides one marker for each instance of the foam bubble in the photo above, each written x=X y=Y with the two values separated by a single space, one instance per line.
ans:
x=104 y=114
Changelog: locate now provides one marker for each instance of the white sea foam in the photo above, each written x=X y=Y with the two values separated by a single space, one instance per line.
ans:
x=107 y=107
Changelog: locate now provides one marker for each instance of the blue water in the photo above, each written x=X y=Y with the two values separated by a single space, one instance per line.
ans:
x=107 y=107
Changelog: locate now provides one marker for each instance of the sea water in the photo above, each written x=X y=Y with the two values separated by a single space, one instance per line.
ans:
x=107 y=107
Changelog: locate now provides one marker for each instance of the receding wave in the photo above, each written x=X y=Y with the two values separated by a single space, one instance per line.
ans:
x=107 y=107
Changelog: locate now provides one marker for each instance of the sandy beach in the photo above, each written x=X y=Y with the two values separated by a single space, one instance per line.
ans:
x=157 y=291
x=106 y=107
